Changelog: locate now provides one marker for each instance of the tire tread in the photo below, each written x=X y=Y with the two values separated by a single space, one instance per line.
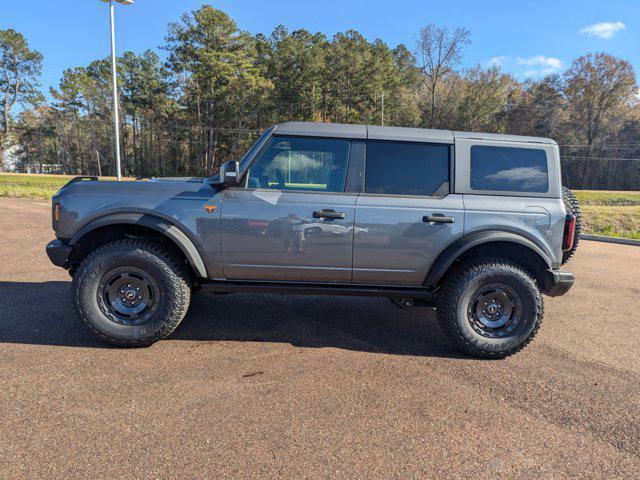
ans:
x=572 y=204
x=177 y=278
x=453 y=288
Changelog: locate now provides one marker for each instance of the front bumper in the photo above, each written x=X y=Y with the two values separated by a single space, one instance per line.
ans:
x=58 y=252
x=560 y=284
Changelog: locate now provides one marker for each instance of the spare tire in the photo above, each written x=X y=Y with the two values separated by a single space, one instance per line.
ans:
x=572 y=205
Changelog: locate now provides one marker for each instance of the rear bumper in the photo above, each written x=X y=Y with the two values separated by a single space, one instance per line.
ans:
x=58 y=252
x=560 y=284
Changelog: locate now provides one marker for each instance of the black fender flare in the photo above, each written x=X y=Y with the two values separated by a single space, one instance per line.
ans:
x=158 y=224
x=457 y=248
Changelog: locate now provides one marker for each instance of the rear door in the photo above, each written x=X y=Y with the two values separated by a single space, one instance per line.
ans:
x=406 y=216
x=293 y=221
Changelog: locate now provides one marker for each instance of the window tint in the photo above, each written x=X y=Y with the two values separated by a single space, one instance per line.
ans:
x=407 y=169
x=509 y=169
x=291 y=163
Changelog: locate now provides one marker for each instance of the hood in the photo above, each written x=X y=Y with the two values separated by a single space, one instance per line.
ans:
x=132 y=191
x=82 y=200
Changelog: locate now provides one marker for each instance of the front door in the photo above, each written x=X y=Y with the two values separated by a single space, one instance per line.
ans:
x=293 y=221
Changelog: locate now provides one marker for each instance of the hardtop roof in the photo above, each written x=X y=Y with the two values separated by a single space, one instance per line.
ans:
x=375 y=132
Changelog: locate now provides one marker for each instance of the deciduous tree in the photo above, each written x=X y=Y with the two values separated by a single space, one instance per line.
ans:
x=439 y=51
x=599 y=88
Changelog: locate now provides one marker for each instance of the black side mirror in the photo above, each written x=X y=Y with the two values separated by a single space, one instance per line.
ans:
x=229 y=174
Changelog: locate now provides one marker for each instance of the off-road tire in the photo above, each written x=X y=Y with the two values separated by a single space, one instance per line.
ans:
x=457 y=291
x=162 y=264
x=573 y=206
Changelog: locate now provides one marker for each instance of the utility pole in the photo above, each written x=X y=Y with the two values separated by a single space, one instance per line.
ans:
x=116 y=116
x=114 y=72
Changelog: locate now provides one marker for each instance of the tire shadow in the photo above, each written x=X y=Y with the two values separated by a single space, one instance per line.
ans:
x=41 y=314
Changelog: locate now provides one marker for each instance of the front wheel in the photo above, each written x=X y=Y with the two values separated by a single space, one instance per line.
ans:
x=490 y=308
x=132 y=292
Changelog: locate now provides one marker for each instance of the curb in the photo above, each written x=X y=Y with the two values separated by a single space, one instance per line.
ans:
x=599 y=238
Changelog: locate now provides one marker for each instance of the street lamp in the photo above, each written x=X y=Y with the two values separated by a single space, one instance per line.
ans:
x=116 y=125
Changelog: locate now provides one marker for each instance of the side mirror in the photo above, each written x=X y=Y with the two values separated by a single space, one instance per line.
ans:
x=230 y=174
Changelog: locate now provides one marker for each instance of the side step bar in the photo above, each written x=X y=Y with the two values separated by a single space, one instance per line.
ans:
x=296 y=288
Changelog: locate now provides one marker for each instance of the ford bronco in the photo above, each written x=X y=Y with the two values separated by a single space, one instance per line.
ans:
x=475 y=225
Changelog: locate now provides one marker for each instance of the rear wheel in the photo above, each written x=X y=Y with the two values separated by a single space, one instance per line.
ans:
x=572 y=206
x=490 y=308
x=132 y=292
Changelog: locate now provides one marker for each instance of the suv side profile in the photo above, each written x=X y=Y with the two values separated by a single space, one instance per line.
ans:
x=475 y=225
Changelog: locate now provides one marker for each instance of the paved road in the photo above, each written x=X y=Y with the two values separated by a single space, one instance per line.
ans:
x=273 y=386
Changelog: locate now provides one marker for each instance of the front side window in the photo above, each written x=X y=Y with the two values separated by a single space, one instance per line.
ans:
x=310 y=164
x=509 y=169
x=395 y=168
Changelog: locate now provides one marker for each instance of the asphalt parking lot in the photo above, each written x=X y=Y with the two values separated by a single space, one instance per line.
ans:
x=289 y=387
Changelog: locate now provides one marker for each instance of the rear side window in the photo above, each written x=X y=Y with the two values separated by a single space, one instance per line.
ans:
x=407 y=169
x=509 y=169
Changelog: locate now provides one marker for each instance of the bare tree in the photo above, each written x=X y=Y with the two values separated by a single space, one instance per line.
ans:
x=438 y=51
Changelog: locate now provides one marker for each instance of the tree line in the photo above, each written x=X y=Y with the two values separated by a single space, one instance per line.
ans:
x=217 y=87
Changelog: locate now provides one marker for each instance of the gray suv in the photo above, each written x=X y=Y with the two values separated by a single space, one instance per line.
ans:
x=475 y=225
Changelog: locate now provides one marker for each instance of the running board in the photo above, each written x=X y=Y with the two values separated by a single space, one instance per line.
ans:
x=296 y=288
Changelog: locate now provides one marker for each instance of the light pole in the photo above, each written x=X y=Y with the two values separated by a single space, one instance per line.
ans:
x=116 y=124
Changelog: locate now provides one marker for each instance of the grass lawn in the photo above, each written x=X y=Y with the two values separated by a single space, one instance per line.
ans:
x=33 y=186
x=615 y=214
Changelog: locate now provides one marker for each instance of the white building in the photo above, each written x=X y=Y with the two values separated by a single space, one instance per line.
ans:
x=10 y=159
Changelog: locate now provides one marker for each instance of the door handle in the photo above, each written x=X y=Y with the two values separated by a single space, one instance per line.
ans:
x=437 y=218
x=327 y=213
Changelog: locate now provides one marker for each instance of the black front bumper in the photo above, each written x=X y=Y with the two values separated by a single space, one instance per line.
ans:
x=560 y=284
x=58 y=252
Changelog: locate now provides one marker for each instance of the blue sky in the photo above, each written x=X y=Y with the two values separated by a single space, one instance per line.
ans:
x=527 y=38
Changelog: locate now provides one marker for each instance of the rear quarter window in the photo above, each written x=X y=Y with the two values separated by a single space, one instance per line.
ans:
x=509 y=169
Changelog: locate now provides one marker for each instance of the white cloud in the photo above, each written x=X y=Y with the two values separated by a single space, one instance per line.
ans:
x=539 y=65
x=496 y=61
x=523 y=177
x=603 y=29
x=540 y=61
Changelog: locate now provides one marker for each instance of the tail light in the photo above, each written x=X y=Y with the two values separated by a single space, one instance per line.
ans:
x=569 y=232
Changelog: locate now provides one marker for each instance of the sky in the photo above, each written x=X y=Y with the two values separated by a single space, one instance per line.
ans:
x=525 y=38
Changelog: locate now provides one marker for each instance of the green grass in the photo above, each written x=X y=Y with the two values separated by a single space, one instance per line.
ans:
x=31 y=179
x=31 y=186
x=614 y=214
x=612 y=220
x=589 y=197
x=18 y=185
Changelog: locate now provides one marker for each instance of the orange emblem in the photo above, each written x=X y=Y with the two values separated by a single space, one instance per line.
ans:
x=210 y=208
